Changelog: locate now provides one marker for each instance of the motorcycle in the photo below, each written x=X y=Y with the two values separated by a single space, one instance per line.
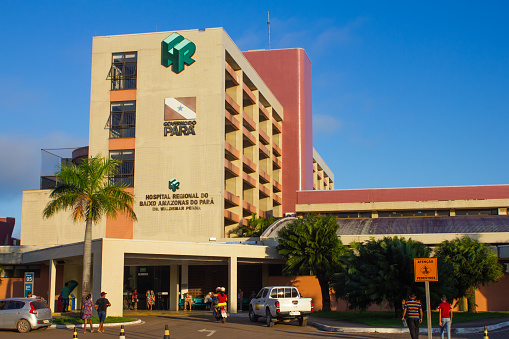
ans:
x=220 y=313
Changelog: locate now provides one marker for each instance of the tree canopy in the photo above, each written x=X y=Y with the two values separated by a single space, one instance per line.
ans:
x=255 y=226
x=89 y=193
x=474 y=264
x=382 y=271
x=311 y=245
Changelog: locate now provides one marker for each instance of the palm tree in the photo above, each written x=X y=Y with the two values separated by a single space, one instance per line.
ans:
x=474 y=264
x=311 y=245
x=255 y=226
x=88 y=191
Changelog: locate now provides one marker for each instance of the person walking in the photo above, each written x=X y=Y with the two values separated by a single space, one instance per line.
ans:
x=69 y=286
x=147 y=295
x=101 y=305
x=240 y=298
x=413 y=309
x=87 y=313
x=152 y=299
x=135 y=299
x=445 y=317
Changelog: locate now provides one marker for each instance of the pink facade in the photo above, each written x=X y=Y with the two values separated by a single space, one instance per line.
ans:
x=6 y=228
x=404 y=194
x=288 y=74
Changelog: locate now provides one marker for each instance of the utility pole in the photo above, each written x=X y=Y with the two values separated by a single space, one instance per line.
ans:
x=268 y=25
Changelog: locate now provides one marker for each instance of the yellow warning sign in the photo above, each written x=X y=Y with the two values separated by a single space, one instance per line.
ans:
x=425 y=269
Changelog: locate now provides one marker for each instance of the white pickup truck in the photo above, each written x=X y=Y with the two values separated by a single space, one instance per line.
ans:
x=280 y=303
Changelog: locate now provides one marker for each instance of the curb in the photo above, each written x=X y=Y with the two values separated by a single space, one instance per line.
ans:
x=97 y=325
x=461 y=330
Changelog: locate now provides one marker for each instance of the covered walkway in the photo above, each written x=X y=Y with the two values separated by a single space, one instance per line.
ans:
x=110 y=256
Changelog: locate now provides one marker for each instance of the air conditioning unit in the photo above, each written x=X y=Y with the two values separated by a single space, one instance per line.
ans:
x=294 y=215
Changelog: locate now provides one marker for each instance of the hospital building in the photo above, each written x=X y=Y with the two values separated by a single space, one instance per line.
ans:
x=207 y=136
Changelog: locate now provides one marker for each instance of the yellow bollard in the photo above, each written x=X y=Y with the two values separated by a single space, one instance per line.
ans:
x=166 y=332
x=486 y=333
x=75 y=334
x=122 y=334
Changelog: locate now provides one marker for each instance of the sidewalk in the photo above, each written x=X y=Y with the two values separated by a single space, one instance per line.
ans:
x=323 y=324
x=332 y=325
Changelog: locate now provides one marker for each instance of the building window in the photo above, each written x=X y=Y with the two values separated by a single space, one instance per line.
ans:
x=477 y=212
x=122 y=119
x=125 y=173
x=18 y=271
x=123 y=70
x=407 y=214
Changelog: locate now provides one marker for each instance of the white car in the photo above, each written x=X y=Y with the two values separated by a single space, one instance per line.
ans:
x=24 y=314
x=280 y=303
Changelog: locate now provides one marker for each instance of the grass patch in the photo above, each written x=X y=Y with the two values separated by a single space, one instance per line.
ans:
x=95 y=320
x=388 y=319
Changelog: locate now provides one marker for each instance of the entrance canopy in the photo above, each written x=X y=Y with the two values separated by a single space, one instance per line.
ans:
x=111 y=255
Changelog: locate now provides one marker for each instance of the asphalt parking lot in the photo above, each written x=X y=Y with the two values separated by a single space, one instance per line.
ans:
x=202 y=325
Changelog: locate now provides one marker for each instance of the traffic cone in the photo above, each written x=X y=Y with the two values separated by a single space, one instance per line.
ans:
x=486 y=333
x=122 y=334
x=166 y=332
x=75 y=334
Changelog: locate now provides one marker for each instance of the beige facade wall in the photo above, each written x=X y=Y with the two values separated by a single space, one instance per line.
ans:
x=57 y=230
x=323 y=177
x=196 y=161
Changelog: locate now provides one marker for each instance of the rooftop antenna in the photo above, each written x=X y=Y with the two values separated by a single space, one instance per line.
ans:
x=268 y=25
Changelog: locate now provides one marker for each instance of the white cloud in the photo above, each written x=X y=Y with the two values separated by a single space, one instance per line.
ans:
x=325 y=124
x=20 y=168
x=21 y=159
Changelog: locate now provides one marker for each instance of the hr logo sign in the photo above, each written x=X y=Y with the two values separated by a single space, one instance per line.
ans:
x=174 y=184
x=176 y=51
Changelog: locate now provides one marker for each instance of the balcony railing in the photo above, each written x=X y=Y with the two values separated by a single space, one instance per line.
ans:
x=231 y=120
x=249 y=94
x=231 y=216
x=231 y=105
x=263 y=111
x=231 y=168
x=231 y=198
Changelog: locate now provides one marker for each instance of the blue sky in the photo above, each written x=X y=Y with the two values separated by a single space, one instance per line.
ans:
x=405 y=93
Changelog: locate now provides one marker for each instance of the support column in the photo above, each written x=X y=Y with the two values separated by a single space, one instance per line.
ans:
x=108 y=275
x=265 y=275
x=232 y=284
x=174 y=287
x=52 y=282
x=184 y=280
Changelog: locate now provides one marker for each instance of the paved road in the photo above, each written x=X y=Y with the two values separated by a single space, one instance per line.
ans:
x=202 y=326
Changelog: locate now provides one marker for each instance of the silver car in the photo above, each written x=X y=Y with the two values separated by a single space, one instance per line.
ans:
x=24 y=314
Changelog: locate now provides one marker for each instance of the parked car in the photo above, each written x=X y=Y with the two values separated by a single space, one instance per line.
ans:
x=24 y=314
x=280 y=303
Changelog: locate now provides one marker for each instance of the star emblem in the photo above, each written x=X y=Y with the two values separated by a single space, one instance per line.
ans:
x=180 y=108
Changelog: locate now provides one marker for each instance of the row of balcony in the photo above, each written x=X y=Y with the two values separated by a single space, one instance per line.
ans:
x=233 y=113
x=249 y=180
x=247 y=208
x=249 y=126
x=231 y=153
x=234 y=109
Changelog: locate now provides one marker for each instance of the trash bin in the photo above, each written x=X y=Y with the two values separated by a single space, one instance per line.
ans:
x=59 y=304
x=72 y=302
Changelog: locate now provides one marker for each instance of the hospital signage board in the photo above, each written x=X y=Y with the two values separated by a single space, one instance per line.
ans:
x=29 y=283
x=425 y=269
